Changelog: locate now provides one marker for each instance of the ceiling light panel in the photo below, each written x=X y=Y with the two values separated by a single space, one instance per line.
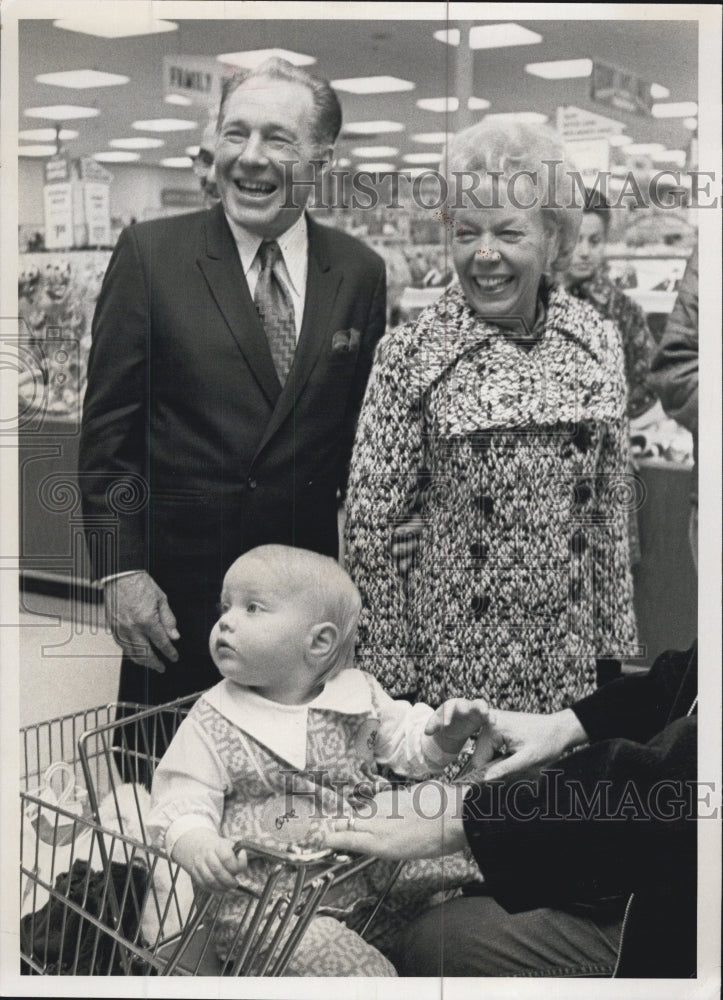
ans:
x=62 y=112
x=37 y=150
x=82 y=79
x=683 y=109
x=372 y=85
x=450 y=104
x=47 y=134
x=501 y=36
x=375 y=151
x=372 y=127
x=121 y=25
x=116 y=156
x=433 y=138
x=376 y=168
x=254 y=57
x=561 y=69
x=164 y=125
x=177 y=162
x=448 y=35
x=658 y=92
x=422 y=157
x=179 y=99
x=137 y=142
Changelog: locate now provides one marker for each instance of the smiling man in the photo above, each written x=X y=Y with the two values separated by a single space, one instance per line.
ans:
x=231 y=350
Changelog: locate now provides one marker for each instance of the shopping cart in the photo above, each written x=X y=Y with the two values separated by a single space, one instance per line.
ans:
x=99 y=899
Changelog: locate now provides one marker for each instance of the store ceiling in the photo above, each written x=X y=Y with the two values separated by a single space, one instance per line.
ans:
x=662 y=52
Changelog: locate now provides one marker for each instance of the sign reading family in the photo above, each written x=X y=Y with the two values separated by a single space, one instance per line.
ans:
x=195 y=77
x=619 y=88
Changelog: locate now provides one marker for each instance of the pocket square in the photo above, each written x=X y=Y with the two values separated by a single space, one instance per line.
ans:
x=345 y=341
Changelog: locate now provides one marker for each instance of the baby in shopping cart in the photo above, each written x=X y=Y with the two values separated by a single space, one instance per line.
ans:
x=292 y=736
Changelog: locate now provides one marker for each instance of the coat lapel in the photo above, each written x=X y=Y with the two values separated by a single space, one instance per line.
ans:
x=322 y=283
x=221 y=267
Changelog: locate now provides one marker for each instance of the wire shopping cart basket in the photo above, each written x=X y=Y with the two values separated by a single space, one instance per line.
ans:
x=98 y=899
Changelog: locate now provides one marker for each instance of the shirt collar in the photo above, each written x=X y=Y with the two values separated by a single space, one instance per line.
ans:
x=282 y=728
x=293 y=245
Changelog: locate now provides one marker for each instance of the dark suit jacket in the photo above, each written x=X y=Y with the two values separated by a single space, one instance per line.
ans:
x=190 y=451
x=613 y=818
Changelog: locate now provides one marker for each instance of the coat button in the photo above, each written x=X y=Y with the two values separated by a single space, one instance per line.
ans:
x=252 y=484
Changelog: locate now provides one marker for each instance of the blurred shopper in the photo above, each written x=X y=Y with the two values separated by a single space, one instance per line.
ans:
x=674 y=373
x=203 y=166
x=486 y=515
x=587 y=280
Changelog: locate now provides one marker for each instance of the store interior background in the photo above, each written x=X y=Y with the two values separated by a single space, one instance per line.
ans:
x=68 y=660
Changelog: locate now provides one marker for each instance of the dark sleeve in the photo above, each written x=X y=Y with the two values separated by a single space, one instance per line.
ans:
x=607 y=820
x=674 y=370
x=370 y=337
x=112 y=458
x=636 y=707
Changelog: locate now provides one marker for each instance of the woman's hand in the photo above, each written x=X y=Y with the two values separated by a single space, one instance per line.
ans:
x=524 y=739
x=424 y=821
x=405 y=542
x=209 y=859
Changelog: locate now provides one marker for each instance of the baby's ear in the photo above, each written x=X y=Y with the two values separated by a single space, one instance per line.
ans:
x=322 y=641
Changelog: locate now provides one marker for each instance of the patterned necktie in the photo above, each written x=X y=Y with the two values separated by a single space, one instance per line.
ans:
x=276 y=311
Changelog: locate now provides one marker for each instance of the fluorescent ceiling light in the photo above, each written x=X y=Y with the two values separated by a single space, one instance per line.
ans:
x=372 y=85
x=491 y=36
x=116 y=156
x=682 y=110
x=422 y=157
x=123 y=25
x=192 y=151
x=254 y=57
x=178 y=162
x=526 y=117
x=450 y=104
x=691 y=123
x=620 y=140
x=37 y=150
x=659 y=92
x=372 y=127
x=448 y=35
x=47 y=134
x=561 y=69
x=80 y=79
x=375 y=151
x=179 y=99
x=375 y=168
x=433 y=138
x=62 y=112
x=164 y=125
x=140 y=142
x=501 y=36
x=344 y=161
x=644 y=148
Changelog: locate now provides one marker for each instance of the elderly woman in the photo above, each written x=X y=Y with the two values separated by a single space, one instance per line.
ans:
x=494 y=433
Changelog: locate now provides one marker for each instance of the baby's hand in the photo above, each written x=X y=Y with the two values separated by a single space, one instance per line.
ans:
x=209 y=859
x=455 y=721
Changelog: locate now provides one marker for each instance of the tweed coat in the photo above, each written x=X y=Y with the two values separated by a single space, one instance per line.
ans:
x=515 y=455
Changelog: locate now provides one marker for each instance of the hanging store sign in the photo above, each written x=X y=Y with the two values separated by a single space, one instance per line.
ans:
x=58 y=204
x=620 y=89
x=575 y=124
x=195 y=77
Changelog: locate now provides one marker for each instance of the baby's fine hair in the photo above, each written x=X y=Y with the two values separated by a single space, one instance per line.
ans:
x=321 y=581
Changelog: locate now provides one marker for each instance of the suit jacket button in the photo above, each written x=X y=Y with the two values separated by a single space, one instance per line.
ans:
x=252 y=484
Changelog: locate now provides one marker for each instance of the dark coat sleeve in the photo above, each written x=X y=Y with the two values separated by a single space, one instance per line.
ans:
x=613 y=818
x=112 y=458
x=608 y=819
x=674 y=371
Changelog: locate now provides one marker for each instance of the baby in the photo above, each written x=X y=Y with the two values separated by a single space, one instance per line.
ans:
x=293 y=723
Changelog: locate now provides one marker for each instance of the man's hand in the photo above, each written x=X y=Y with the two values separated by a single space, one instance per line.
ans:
x=140 y=619
x=526 y=740
x=209 y=859
x=424 y=821
x=456 y=720
x=405 y=542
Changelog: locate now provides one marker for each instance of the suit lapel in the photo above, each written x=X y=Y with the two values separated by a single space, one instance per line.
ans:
x=322 y=283
x=221 y=267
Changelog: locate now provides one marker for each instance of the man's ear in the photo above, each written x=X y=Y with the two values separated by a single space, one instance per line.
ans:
x=321 y=642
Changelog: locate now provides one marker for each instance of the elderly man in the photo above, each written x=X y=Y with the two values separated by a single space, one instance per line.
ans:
x=231 y=350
